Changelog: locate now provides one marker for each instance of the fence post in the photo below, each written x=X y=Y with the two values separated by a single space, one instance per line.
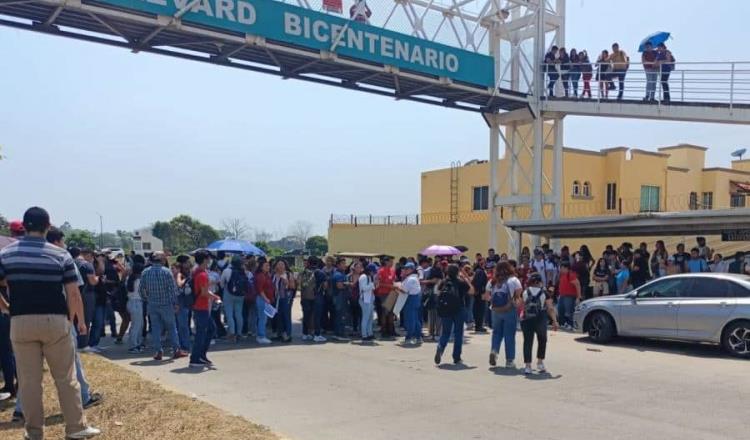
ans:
x=731 y=88
x=389 y=220
x=371 y=219
x=351 y=219
x=355 y=221
x=417 y=217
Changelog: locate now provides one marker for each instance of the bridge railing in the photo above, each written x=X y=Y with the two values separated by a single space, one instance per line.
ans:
x=724 y=83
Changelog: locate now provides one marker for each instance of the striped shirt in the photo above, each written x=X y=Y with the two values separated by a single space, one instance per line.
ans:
x=36 y=272
x=158 y=286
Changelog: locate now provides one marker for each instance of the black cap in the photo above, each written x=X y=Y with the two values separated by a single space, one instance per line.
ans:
x=36 y=219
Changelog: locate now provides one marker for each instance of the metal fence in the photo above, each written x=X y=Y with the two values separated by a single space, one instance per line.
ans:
x=408 y=219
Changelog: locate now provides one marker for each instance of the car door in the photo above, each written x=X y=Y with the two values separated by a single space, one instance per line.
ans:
x=704 y=308
x=652 y=311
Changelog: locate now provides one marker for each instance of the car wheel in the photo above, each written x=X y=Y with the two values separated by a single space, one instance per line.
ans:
x=601 y=328
x=736 y=339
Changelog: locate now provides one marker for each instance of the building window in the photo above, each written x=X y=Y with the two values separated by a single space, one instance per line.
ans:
x=693 y=203
x=146 y=246
x=708 y=200
x=737 y=201
x=649 y=198
x=611 y=196
x=576 y=188
x=481 y=198
x=587 y=189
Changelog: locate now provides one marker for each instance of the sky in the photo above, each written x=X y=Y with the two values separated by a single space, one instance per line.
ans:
x=89 y=129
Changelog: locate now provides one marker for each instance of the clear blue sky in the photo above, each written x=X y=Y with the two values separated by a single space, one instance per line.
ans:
x=89 y=128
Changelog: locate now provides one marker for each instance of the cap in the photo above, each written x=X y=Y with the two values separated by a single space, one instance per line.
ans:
x=410 y=265
x=535 y=278
x=372 y=267
x=16 y=227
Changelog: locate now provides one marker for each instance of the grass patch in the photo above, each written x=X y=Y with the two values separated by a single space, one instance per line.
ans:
x=135 y=408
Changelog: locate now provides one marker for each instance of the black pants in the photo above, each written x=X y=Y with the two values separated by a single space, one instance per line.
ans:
x=480 y=311
x=620 y=76
x=356 y=313
x=530 y=327
x=565 y=76
x=552 y=80
x=308 y=316
x=665 y=86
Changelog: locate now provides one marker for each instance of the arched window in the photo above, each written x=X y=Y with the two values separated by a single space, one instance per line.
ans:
x=587 y=189
x=576 y=188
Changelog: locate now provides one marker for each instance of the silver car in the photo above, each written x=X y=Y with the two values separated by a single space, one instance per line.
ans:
x=709 y=307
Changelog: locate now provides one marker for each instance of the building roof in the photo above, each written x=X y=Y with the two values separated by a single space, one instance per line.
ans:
x=682 y=146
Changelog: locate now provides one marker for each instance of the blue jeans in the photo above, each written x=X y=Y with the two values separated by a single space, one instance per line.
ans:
x=469 y=308
x=7 y=360
x=285 y=315
x=366 y=325
x=651 y=84
x=455 y=324
x=318 y=311
x=233 y=311
x=203 y=331
x=565 y=307
x=339 y=327
x=110 y=317
x=97 y=326
x=412 y=318
x=162 y=318
x=504 y=329
x=260 y=305
x=183 y=327
x=135 y=334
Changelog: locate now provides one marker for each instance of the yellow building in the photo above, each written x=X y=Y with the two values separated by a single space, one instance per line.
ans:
x=613 y=181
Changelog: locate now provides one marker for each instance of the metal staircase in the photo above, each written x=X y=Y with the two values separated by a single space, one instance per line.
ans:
x=454 y=191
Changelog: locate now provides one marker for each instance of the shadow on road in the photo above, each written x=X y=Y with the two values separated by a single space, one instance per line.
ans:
x=700 y=350
x=456 y=367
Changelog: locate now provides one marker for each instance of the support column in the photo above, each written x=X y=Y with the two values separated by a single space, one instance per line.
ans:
x=494 y=160
x=557 y=170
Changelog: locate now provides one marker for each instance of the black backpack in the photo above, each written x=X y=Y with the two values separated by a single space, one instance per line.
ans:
x=186 y=294
x=448 y=302
x=238 y=284
x=533 y=306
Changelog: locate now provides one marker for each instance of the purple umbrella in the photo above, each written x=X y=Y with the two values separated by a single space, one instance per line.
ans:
x=439 y=250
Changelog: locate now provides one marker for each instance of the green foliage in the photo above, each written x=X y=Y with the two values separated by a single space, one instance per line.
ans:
x=81 y=238
x=184 y=233
x=263 y=245
x=317 y=245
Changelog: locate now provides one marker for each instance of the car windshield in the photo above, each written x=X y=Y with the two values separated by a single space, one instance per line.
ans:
x=668 y=288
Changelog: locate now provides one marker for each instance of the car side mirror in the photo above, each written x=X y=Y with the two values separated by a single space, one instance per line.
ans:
x=631 y=295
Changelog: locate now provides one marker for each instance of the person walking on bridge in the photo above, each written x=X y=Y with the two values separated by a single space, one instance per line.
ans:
x=620 y=64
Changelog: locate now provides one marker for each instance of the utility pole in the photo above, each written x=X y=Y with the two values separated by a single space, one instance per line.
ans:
x=101 y=231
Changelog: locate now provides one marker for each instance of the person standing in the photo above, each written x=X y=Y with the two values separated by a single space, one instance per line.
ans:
x=696 y=264
x=44 y=301
x=659 y=260
x=665 y=64
x=738 y=265
x=564 y=70
x=367 y=300
x=537 y=310
x=640 y=273
x=718 y=265
x=551 y=63
x=202 y=312
x=570 y=293
x=384 y=284
x=679 y=260
x=433 y=275
x=135 y=309
x=575 y=71
x=285 y=288
x=185 y=299
x=234 y=298
x=412 y=308
x=264 y=288
x=84 y=263
x=307 y=293
x=620 y=64
x=648 y=58
x=601 y=278
x=603 y=74
x=479 y=281
x=586 y=72
x=452 y=312
x=341 y=288
x=159 y=289
x=503 y=293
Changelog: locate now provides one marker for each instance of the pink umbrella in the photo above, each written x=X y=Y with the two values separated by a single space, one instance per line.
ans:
x=439 y=250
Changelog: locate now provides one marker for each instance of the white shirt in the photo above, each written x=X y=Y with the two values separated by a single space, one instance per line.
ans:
x=226 y=274
x=366 y=288
x=411 y=285
x=513 y=283
x=535 y=291
x=542 y=267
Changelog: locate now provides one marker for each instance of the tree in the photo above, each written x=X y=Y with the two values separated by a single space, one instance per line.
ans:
x=317 y=245
x=262 y=245
x=80 y=238
x=126 y=240
x=4 y=226
x=262 y=235
x=66 y=227
x=184 y=233
x=301 y=230
x=235 y=228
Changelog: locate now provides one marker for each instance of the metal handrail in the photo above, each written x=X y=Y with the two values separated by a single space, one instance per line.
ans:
x=726 y=83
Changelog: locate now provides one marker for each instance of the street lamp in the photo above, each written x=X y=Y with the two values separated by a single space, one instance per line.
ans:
x=101 y=231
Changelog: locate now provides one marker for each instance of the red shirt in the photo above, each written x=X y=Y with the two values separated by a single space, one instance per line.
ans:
x=264 y=284
x=386 y=275
x=566 y=284
x=200 y=282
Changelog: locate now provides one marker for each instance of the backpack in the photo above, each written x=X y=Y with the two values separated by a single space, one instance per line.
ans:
x=501 y=296
x=307 y=284
x=238 y=284
x=448 y=302
x=533 y=306
x=185 y=294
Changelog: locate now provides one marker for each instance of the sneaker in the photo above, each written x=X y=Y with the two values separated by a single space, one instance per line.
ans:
x=540 y=366
x=89 y=432
x=458 y=361
x=17 y=417
x=340 y=338
x=4 y=396
x=94 y=400
x=319 y=339
x=493 y=358
x=135 y=350
x=159 y=356
x=264 y=341
x=207 y=361
x=179 y=354
x=197 y=364
x=527 y=370
x=510 y=364
x=118 y=341
x=438 y=355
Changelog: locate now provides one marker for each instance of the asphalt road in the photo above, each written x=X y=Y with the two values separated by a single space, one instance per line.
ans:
x=634 y=389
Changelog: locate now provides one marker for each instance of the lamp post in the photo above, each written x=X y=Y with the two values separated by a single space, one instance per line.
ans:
x=101 y=231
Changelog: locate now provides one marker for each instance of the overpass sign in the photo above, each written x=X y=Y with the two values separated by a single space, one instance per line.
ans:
x=290 y=24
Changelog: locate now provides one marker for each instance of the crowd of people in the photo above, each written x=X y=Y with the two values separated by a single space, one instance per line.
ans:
x=609 y=71
x=60 y=298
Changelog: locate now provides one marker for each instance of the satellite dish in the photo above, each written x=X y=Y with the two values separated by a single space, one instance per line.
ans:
x=739 y=153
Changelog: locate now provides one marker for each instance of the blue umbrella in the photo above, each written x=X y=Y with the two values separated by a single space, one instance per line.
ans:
x=655 y=39
x=235 y=247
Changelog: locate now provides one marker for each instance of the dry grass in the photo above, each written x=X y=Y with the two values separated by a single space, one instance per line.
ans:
x=135 y=408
